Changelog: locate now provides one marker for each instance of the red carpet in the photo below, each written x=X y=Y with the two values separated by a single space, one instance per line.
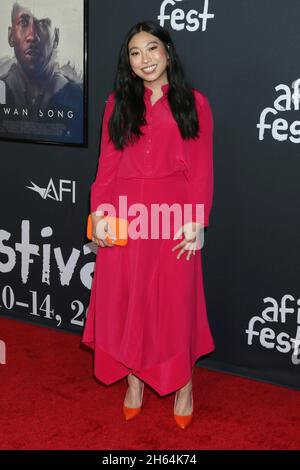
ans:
x=50 y=400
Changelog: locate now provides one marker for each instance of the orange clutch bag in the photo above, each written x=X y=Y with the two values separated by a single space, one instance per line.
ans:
x=118 y=226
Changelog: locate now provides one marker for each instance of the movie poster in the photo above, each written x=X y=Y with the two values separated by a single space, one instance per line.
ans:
x=43 y=82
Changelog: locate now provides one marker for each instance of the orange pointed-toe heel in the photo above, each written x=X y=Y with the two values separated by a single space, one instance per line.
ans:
x=183 y=421
x=131 y=413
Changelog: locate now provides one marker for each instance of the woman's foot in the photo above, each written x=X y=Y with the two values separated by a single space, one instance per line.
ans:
x=183 y=405
x=134 y=396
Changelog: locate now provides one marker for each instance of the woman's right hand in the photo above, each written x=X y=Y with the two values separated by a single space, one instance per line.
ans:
x=100 y=229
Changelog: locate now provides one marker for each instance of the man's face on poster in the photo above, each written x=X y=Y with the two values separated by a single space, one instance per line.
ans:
x=33 y=40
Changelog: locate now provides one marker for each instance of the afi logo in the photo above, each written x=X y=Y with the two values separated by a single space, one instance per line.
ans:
x=180 y=20
x=53 y=192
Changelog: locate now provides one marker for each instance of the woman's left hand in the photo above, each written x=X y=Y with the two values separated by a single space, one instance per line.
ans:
x=191 y=241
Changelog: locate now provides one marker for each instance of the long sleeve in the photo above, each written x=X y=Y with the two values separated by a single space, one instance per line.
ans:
x=101 y=188
x=201 y=182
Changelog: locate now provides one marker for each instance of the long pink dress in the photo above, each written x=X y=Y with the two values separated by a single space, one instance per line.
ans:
x=147 y=311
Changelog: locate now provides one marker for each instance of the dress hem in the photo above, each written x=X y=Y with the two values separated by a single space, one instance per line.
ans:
x=113 y=370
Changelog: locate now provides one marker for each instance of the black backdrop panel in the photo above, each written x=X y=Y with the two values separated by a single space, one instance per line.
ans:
x=243 y=56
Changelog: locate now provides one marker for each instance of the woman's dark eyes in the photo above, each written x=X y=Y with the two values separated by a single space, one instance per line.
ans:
x=151 y=48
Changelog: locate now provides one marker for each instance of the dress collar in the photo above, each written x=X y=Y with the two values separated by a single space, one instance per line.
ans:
x=148 y=91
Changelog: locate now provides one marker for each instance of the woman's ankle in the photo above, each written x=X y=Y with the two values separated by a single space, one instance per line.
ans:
x=186 y=388
x=133 y=381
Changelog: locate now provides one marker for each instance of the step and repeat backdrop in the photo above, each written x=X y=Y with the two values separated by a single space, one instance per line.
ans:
x=243 y=55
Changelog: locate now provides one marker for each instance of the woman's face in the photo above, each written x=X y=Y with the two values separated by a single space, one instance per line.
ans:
x=148 y=57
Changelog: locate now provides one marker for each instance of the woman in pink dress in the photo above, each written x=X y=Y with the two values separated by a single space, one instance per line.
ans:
x=147 y=317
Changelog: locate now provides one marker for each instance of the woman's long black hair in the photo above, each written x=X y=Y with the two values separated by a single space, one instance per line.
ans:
x=129 y=111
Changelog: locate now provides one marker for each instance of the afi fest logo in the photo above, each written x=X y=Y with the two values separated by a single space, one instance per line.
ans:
x=181 y=19
x=55 y=192
x=2 y=352
x=264 y=329
x=281 y=129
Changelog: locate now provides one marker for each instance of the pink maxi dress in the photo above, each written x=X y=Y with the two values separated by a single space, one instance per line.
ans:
x=147 y=312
